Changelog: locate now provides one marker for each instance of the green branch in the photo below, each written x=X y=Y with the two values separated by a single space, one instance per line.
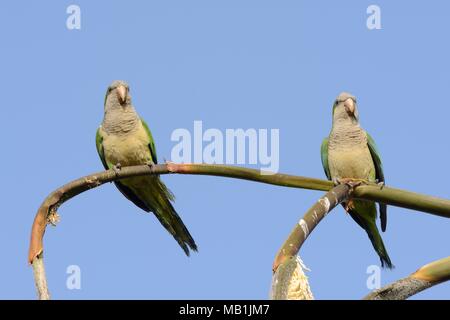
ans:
x=387 y=195
x=47 y=213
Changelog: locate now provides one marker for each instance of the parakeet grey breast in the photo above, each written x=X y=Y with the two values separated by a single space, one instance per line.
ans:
x=348 y=154
x=121 y=122
x=128 y=149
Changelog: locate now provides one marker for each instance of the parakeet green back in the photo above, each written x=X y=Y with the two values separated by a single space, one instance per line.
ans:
x=124 y=139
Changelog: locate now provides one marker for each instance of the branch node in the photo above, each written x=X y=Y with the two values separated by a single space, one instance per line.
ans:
x=53 y=217
x=93 y=182
x=171 y=167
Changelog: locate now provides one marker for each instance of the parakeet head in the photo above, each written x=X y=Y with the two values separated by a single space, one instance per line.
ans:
x=118 y=94
x=345 y=109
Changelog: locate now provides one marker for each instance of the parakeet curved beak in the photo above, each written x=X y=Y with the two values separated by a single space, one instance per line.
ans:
x=349 y=105
x=122 y=94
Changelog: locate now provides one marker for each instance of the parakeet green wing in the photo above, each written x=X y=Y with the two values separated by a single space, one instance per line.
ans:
x=151 y=145
x=99 y=145
x=324 y=156
x=379 y=175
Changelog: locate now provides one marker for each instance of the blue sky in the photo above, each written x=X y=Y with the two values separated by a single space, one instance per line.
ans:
x=231 y=64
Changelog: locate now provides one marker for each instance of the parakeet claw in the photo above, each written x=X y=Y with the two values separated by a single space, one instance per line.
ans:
x=117 y=168
x=350 y=181
x=349 y=205
x=381 y=185
x=336 y=181
x=150 y=164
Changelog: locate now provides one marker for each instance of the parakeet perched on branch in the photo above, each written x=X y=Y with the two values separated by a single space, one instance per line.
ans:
x=350 y=153
x=124 y=139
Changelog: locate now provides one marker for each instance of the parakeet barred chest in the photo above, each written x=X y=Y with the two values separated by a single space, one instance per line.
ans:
x=128 y=148
x=348 y=154
x=120 y=120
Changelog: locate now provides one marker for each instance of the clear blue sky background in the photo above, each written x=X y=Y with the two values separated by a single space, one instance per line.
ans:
x=231 y=64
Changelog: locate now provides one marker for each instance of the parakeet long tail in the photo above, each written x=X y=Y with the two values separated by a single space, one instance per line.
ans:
x=156 y=197
x=379 y=247
x=368 y=224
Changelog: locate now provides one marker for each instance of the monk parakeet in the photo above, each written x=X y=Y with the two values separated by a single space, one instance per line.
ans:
x=124 y=139
x=350 y=153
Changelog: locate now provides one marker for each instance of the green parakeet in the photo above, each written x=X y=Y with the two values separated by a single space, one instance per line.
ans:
x=350 y=153
x=124 y=139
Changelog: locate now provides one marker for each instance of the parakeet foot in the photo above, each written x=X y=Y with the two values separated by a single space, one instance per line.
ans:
x=381 y=184
x=349 y=205
x=150 y=164
x=336 y=181
x=117 y=168
x=352 y=182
